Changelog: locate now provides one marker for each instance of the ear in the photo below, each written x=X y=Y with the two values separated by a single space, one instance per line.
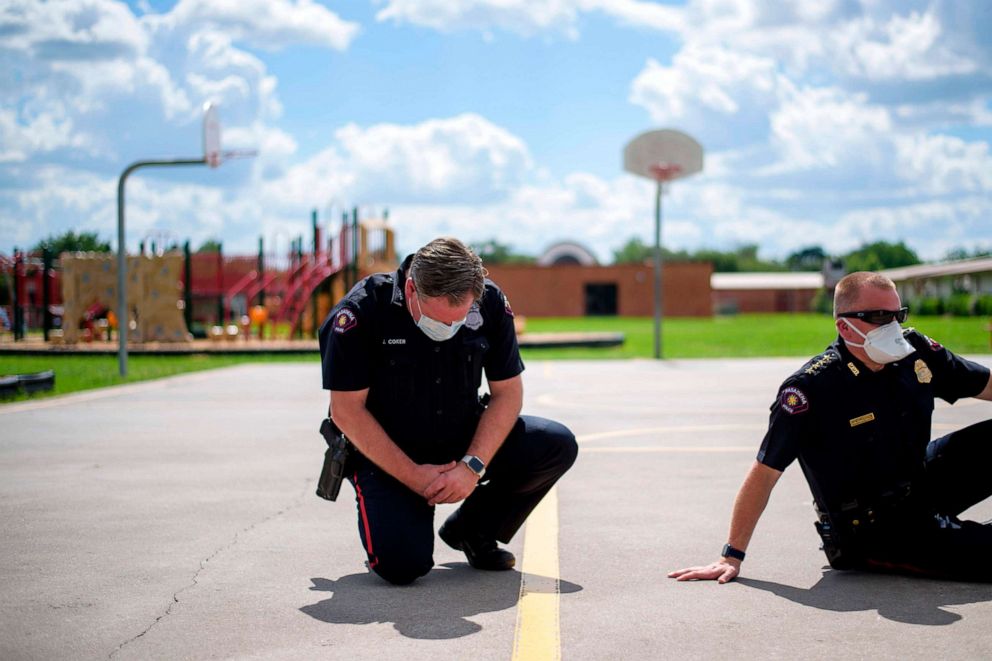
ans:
x=845 y=330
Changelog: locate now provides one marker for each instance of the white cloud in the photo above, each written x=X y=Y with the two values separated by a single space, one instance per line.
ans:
x=711 y=92
x=942 y=164
x=959 y=222
x=269 y=24
x=80 y=29
x=49 y=129
x=903 y=47
x=464 y=157
x=526 y=17
x=826 y=128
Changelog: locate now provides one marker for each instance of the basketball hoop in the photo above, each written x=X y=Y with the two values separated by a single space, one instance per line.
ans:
x=665 y=171
x=661 y=156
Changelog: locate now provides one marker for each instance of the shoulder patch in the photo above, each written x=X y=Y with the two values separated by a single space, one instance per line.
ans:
x=933 y=344
x=793 y=400
x=344 y=321
x=822 y=361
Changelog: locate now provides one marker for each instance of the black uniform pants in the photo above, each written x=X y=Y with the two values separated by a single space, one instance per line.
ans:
x=396 y=525
x=959 y=473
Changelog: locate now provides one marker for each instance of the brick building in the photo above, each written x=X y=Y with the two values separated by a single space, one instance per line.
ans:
x=574 y=290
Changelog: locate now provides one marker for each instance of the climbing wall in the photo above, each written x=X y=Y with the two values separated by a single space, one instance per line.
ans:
x=154 y=294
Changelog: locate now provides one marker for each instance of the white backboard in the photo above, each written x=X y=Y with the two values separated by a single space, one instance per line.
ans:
x=663 y=155
x=211 y=135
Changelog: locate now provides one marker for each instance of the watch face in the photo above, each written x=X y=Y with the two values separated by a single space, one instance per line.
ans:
x=475 y=464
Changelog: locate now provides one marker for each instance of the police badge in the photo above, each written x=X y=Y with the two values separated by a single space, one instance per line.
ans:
x=923 y=373
x=473 y=320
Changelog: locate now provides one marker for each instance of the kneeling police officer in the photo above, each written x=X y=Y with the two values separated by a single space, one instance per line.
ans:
x=857 y=418
x=403 y=355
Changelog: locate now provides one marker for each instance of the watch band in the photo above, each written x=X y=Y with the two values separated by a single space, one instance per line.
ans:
x=730 y=552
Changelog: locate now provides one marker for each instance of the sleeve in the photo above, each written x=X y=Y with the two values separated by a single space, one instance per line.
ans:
x=953 y=377
x=790 y=421
x=503 y=360
x=344 y=348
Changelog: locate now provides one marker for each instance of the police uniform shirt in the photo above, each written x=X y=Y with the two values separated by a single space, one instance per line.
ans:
x=423 y=393
x=861 y=435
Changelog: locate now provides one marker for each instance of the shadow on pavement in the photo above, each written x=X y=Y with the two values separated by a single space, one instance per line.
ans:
x=897 y=598
x=435 y=607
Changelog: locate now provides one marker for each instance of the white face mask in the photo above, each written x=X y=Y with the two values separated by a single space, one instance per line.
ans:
x=884 y=344
x=434 y=329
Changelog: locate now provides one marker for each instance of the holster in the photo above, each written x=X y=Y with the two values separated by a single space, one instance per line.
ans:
x=335 y=460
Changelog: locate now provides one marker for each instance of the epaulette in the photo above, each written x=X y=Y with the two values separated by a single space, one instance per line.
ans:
x=817 y=364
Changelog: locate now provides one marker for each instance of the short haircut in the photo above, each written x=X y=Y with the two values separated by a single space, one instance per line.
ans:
x=447 y=267
x=850 y=286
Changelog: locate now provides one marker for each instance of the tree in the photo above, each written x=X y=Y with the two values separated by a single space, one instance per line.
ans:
x=72 y=242
x=879 y=255
x=210 y=245
x=494 y=252
x=806 y=259
x=956 y=254
x=634 y=251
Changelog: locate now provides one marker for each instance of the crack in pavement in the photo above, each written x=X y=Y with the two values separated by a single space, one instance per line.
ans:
x=297 y=502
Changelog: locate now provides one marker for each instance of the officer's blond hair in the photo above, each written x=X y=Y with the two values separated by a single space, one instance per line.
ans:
x=447 y=267
x=850 y=286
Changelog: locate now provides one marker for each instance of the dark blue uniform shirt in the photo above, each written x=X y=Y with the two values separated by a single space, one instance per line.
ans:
x=861 y=436
x=425 y=394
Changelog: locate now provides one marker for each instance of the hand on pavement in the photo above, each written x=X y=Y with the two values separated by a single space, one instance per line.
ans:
x=721 y=570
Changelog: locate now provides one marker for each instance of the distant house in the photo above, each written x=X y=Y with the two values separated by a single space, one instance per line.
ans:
x=787 y=291
x=941 y=280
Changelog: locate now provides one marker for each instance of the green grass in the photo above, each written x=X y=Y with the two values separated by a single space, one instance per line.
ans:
x=739 y=336
x=799 y=335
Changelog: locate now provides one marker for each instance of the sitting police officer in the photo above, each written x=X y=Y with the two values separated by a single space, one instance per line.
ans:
x=857 y=417
x=403 y=356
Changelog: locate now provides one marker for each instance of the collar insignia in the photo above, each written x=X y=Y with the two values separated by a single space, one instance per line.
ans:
x=820 y=363
x=862 y=419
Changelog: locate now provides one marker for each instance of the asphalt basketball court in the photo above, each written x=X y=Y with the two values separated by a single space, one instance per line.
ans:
x=177 y=519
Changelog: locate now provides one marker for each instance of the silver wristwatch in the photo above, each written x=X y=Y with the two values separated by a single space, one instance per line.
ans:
x=475 y=464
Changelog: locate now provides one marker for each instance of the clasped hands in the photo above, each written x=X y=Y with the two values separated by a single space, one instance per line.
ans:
x=445 y=483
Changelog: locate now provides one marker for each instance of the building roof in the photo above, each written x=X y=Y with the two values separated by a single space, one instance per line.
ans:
x=567 y=252
x=772 y=280
x=960 y=267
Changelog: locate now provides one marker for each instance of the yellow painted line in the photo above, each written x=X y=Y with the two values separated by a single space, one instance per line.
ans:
x=537 y=636
x=669 y=448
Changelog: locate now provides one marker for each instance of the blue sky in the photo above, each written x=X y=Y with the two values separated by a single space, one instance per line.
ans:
x=829 y=122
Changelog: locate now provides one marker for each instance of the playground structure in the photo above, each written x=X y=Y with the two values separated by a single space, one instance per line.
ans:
x=176 y=295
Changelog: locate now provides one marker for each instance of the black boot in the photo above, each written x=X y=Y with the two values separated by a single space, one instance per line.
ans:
x=482 y=552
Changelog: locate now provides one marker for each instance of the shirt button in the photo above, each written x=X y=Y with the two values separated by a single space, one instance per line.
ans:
x=437 y=349
x=437 y=380
x=439 y=411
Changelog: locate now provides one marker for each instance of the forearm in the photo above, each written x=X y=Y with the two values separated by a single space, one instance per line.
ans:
x=366 y=434
x=986 y=394
x=752 y=498
x=496 y=422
